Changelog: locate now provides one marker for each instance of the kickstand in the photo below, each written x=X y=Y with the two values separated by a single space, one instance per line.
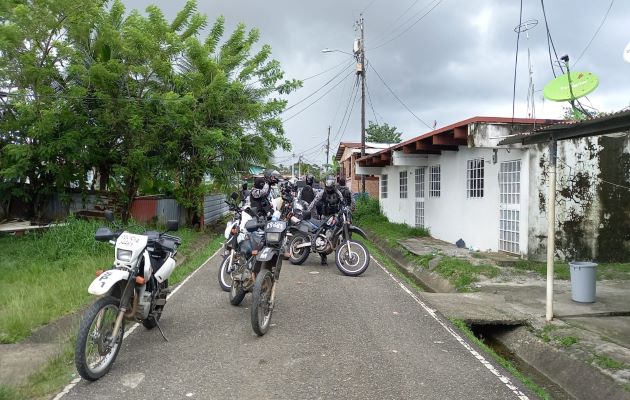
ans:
x=160 y=329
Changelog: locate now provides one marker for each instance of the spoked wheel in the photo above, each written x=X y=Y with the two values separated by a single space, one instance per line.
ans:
x=297 y=256
x=237 y=294
x=261 y=302
x=352 y=258
x=97 y=346
x=225 y=279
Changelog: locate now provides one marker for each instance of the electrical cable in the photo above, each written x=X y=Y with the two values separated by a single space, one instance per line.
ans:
x=550 y=43
x=518 y=36
x=318 y=99
x=318 y=89
x=398 y=98
x=353 y=96
x=595 y=34
x=398 y=19
x=345 y=128
x=408 y=28
x=371 y=104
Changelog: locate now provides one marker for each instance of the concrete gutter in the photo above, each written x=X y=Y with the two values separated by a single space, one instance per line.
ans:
x=573 y=376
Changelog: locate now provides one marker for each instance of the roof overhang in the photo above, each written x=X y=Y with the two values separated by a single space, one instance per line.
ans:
x=448 y=138
x=606 y=124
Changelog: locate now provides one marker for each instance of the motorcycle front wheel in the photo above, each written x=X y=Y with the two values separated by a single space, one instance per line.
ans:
x=225 y=279
x=352 y=262
x=261 y=302
x=97 y=346
x=297 y=256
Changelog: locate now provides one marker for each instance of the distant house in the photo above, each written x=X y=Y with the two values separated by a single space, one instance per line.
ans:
x=458 y=182
x=347 y=154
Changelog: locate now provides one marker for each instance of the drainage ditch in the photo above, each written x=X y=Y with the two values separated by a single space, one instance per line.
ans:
x=489 y=334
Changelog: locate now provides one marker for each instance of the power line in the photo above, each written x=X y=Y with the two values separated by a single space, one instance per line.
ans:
x=353 y=95
x=409 y=27
x=371 y=104
x=550 y=43
x=318 y=99
x=398 y=98
x=354 y=101
x=595 y=34
x=392 y=24
x=324 y=71
x=318 y=89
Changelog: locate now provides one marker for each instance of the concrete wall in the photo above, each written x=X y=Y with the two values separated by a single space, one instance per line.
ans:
x=593 y=215
x=453 y=215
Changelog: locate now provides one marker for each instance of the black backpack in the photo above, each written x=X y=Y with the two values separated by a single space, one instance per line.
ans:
x=308 y=194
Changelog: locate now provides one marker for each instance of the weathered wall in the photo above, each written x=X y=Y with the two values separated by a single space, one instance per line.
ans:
x=593 y=215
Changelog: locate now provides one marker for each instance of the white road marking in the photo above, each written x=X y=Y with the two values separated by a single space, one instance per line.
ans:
x=504 y=379
x=129 y=331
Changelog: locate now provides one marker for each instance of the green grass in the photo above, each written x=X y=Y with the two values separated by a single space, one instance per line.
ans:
x=567 y=341
x=608 y=363
x=605 y=271
x=44 y=276
x=539 y=391
x=545 y=333
x=463 y=274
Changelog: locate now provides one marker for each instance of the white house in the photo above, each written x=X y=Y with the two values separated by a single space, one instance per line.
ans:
x=460 y=184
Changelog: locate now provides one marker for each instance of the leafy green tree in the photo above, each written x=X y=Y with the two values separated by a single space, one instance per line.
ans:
x=382 y=133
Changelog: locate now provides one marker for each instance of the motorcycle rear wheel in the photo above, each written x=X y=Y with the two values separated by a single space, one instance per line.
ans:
x=261 y=302
x=237 y=294
x=96 y=349
x=298 y=256
x=225 y=279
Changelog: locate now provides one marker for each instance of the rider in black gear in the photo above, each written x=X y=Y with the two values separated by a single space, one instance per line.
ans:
x=244 y=194
x=345 y=191
x=331 y=200
x=259 y=196
x=308 y=194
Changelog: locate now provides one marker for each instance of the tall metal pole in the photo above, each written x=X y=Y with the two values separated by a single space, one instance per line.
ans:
x=327 y=150
x=551 y=227
x=362 y=72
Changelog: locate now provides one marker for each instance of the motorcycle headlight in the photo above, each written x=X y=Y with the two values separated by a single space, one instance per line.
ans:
x=123 y=255
x=273 y=237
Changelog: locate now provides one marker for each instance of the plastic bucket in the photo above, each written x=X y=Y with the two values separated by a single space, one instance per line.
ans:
x=583 y=281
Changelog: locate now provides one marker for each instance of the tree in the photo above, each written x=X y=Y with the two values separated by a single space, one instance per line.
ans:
x=381 y=133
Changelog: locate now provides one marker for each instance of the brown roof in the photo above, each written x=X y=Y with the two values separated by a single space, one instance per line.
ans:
x=448 y=138
x=343 y=146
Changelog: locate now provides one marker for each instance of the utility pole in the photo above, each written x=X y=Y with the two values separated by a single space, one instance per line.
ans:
x=300 y=166
x=359 y=51
x=327 y=150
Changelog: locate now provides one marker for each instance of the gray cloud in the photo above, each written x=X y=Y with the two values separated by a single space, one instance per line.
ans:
x=456 y=63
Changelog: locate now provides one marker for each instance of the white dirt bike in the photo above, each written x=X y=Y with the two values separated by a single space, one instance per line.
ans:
x=135 y=288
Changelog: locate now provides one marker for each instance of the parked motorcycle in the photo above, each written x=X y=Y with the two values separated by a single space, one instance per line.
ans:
x=333 y=234
x=135 y=288
x=233 y=237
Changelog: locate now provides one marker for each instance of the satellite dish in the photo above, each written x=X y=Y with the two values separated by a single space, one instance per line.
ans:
x=582 y=83
x=626 y=53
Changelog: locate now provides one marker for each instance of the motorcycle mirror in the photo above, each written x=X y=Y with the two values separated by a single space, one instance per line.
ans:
x=103 y=235
x=172 y=225
x=109 y=215
x=234 y=195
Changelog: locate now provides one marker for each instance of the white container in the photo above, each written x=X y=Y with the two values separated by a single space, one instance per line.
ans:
x=583 y=278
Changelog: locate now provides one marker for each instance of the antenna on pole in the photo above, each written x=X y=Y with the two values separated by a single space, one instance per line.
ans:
x=525 y=27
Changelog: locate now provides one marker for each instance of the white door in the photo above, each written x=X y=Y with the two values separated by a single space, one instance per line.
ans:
x=419 y=189
x=509 y=206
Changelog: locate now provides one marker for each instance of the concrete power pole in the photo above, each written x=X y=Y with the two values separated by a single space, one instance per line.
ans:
x=327 y=150
x=360 y=54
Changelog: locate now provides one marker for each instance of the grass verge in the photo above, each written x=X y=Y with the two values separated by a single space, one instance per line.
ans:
x=539 y=391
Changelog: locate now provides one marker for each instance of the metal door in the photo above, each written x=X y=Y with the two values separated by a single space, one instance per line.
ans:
x=509 y=206
x=419 y=189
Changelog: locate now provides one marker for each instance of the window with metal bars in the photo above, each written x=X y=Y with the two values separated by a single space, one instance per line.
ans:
x=403 y=184
x=420 y=182
x=434 y=181
x=475 y=174
x=383 y=186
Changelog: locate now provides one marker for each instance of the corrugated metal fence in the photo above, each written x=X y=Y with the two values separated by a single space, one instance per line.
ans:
x=214 y=207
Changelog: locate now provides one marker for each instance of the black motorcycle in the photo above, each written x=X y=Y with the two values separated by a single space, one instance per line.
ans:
x=332 y=234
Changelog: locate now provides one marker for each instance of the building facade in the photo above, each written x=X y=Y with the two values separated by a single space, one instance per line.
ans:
x=347 y=155
x=458 y=183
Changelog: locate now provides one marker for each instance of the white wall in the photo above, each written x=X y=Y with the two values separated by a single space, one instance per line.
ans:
x=453 y=215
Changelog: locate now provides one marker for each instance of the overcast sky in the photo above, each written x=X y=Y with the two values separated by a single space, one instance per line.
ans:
x=454 y=63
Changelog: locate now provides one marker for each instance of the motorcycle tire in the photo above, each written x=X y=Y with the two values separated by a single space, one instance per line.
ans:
x=261 y=296
x=152 y=321
x=298 y=256
x=225 y=280
x=87 y=336
x=354 y=264
x=237 y=294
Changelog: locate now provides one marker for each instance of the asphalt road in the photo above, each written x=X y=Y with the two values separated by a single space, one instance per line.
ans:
x=333 y=337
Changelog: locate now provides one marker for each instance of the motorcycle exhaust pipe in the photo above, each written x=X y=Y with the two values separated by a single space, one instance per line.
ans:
x=300 y=246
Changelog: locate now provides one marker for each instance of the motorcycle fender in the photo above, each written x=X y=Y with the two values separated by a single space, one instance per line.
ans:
x=265 y=254
x=106 y=281
x=358 y=231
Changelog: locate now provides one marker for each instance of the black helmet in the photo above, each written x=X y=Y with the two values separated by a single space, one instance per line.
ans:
x=272 y=176
x=309 y=180
x=342 y=181
x=259 y=183
x=330 y=184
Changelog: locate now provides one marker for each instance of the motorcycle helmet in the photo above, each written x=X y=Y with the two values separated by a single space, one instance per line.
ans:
x=259 y=182
x=330 y=184
x=309 y=180
x=342 y=181
x=272 y=176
